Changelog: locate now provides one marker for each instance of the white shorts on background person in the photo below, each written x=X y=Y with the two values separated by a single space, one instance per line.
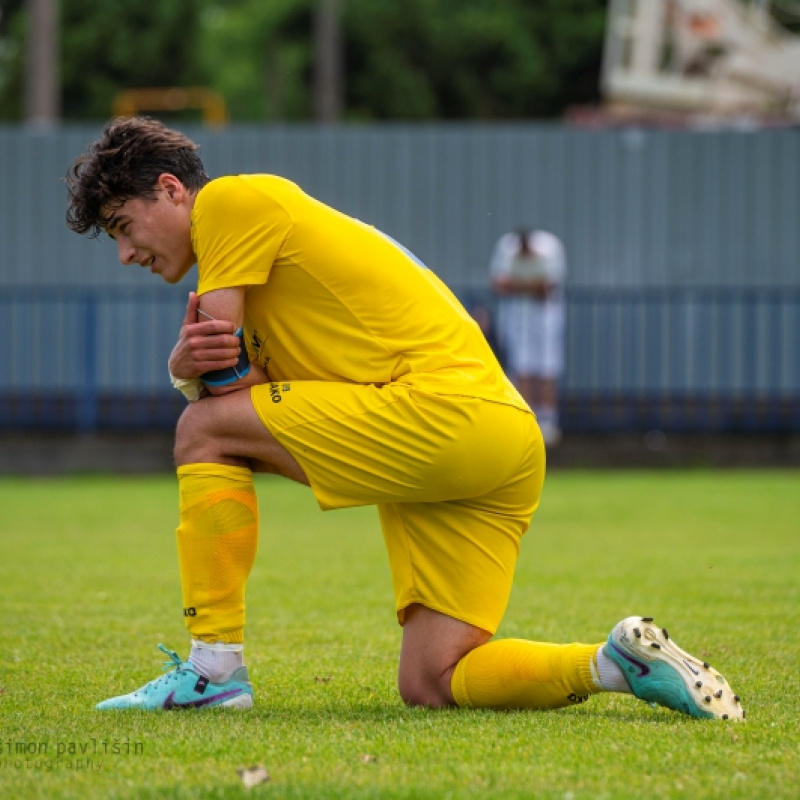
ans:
x=531 y=333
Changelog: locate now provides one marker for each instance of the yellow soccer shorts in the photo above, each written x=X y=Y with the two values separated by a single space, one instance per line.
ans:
x=456 y=480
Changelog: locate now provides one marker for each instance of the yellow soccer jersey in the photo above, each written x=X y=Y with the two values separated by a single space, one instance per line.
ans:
x=331 y=298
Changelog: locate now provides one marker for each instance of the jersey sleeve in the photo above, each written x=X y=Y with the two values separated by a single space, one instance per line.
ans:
x=237 y=233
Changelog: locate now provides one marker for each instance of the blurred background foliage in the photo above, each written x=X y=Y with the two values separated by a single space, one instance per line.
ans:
x=409 y=60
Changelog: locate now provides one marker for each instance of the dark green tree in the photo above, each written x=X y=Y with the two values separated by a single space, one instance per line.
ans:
x=409 y=60
x=419 y=59
x=105 y=47
x=110 y=46
x=483 y=59
x=13 y=30
x=259 y=56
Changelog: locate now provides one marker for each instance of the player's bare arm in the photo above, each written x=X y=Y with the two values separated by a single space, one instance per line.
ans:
x=203 y=344
x=208 y=342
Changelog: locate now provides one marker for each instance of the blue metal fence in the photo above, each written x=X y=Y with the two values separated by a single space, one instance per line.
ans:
x=633 y=207
x=688 y=359
x=699 y=359
x=683 y=251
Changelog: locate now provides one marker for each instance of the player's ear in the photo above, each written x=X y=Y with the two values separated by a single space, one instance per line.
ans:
x=172 y=187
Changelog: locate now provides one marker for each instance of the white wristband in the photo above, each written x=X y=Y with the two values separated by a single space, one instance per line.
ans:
x=191 y=388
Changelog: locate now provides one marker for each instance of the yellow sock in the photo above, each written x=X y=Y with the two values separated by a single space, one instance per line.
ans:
x=514 y=673
x=217 y=540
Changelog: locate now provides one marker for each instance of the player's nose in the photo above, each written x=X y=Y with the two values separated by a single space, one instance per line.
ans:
x=126 y=252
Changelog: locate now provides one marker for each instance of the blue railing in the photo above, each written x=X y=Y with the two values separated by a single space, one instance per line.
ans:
x=88 y=359
x=688 y=359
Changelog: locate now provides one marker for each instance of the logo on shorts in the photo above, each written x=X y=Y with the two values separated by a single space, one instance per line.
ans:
x=275 y=391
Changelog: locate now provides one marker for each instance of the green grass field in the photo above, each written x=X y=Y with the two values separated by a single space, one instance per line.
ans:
x=89 y=587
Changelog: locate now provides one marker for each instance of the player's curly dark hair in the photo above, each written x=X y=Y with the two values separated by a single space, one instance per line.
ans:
x=126 y=162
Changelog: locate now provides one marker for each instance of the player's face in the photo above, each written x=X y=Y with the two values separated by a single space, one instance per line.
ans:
x=156 y=233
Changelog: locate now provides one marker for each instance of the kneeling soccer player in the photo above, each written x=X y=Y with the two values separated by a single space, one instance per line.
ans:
x=318 y=348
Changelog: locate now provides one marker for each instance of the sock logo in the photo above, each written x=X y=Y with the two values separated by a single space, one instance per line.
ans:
x=577 y=698
x=190 y=612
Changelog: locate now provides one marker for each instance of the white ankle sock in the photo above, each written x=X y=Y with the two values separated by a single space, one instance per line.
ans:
x=609 y=676
x=217 y=662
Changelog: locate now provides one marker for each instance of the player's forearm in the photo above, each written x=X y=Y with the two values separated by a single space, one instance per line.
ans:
x=255 y=376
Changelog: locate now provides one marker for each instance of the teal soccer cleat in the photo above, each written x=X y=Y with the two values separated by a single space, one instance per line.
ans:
x=182 y=687
x=658 y=671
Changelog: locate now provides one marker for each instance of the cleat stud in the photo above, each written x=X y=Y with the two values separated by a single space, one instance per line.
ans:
x=718 y=694
x=699 y=684
x=664 y=631
x=707 y=698
x=637 y=633
x=736 y=698
x=647 y=619
x=656 y=645
x=706 y=665
x=724 y=716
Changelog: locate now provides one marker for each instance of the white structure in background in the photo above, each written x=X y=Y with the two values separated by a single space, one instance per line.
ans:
x=709 y=57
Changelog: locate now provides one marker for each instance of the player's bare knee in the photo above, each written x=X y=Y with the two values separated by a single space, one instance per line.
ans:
x=428 y=691
x=421 y=696
x=192 y=434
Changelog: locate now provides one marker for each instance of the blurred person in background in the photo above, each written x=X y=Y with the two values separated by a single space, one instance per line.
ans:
x=527 y=271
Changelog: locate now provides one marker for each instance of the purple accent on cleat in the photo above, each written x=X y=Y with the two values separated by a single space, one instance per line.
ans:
x=643 y=668
x=170 y=704
x=690 y=667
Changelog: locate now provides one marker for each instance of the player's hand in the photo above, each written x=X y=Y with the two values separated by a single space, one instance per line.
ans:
x=203 y=346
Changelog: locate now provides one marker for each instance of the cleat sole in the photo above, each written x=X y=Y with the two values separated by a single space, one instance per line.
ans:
x=658 y=671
